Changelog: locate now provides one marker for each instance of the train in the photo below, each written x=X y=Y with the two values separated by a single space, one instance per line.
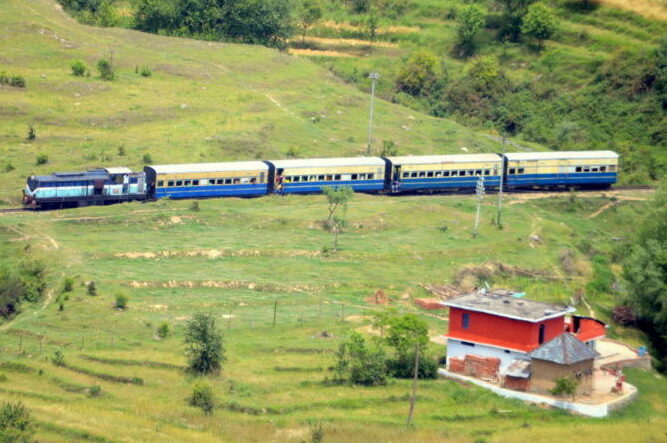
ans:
x=387 y=175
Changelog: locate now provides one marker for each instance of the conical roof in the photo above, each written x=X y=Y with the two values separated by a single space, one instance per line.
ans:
x=565 y=349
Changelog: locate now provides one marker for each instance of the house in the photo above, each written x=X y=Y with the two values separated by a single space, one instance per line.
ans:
x=524 y=344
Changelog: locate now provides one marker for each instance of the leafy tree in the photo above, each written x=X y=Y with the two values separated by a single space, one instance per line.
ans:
x=372 y=26
x=419 y=75
x=204 y=346
x=360 y=364
x=106 y=69
x=539 y=24
x=337 y=198
x=163 y=330
x=33 y=277
x=92 y=289
x=15 y=423
x=645 y=270
x=565 y=386
x=408 y=333
x=468 y=23
x=359 y=6
x=513 y=14
x=309 y=12
x=121 y=302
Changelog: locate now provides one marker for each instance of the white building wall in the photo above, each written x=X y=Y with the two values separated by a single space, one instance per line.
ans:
x=456 y=348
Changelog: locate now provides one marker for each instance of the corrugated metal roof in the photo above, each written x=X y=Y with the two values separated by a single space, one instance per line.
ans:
x=518 y=368
x=561 y=155
x=71 y=176
x=210 y=167
x=505 y=305
x=324 y=162
x=430 y=159
x=565 y=349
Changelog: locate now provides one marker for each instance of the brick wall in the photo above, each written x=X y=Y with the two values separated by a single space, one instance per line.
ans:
x=516 y=383
x=482 y=367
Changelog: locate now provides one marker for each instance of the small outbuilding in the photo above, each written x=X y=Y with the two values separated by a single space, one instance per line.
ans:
x=563 y=356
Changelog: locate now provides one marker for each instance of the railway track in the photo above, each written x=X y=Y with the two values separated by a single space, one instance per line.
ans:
x=6 y=210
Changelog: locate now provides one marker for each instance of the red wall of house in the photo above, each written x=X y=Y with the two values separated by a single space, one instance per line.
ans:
x=502 y=331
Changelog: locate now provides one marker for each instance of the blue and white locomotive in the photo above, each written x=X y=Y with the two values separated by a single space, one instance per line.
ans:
x=390 y=175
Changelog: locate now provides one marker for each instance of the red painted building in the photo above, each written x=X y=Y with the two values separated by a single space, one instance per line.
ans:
x=500 y=329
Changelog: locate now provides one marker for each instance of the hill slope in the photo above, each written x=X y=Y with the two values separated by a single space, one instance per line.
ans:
x=204 y=102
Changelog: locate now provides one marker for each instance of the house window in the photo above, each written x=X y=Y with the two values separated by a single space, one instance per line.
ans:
x=465 y=321
x=467 y=343
x=540 y=338
x=507 y=351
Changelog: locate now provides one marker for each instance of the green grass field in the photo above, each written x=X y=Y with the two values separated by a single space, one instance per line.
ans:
x=236 y=258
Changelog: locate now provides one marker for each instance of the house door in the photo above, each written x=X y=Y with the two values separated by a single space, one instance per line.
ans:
x=540 y=337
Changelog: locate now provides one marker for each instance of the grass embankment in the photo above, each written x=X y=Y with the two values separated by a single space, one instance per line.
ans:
x=236 y=258
x=204 y=102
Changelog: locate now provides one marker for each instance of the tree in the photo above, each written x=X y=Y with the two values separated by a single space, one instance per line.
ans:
x=337 y=198
x=513 y=14
x=539 y=24
x=565 y=386
x=309 y=12
x=15 y=423
x=419 y=75
x=202 y=397
x=372 y=26
x=360 y=364
x=204 y=346
x=645 y=271
x=469 y=21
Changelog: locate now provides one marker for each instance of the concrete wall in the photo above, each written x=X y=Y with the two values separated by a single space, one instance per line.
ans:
x=456 y=349
x=545 y=373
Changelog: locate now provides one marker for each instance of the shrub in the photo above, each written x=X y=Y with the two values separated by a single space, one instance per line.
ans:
x=419 y=75
x=147 y=159
x=360 y=364
x=9 y=167
x=404 y=367
x=121 y=151
x=58 y=358
x=145 y=72
x=106 y=69
x=163 y=330
x=202 y=397
x=32 y=134
x=194 y=206
x=204 y=345
x=42 y=159
x=17 y=81
x=95 y=391
x=565 y=386
x=623 y=315
x=68 y=284
x=539 y=23
x=603 y=277
x=92 y=289
x=469 y=22
x=121 y=302
x=15 y=423
x=78 y=68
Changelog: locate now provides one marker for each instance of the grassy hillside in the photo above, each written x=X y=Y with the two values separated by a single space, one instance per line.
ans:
x=204 y=102
x=172 y=261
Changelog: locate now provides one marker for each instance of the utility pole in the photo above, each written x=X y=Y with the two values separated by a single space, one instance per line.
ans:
x=413 y=396
x=479 y=190
x=374 y=76
x=500 y=188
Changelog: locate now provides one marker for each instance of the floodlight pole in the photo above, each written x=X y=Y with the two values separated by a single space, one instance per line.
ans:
x=500 y=188
x=374 y=76
x=479 y=190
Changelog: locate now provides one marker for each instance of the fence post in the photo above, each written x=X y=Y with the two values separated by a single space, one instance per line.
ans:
x=275 y=309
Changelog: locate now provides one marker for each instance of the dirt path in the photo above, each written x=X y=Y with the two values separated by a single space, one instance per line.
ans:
x=601 y=210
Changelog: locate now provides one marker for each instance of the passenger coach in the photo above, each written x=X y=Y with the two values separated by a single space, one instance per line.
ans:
x=197 y=180
x=363 y=174
x=440 y=172
x=561 y=169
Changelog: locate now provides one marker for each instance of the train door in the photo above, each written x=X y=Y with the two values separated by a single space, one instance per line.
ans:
x=98 y=187
x=396 y=179
x=141 y=185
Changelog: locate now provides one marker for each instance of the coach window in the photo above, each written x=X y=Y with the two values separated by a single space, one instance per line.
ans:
x=179 y=182
x=512 y=171
x=337 y=177
x=370 y=176
x=195 y=182
x=365 y=177
x=406 y=174
x=465 y=321
x=295 y=179
x=445 y=173
x=462 y=173
x=354 y=177
x=455 y=173
x=577 y=169
x=329 y=178
x=612 y=168
x=304 y=178
x=603 y=169
x=170 y=183
x=228 y=181
x=413 y=174
x=521 y=170
x=587 y=169
x=479 y=172
x=160 y=183
x=429 y=174
x=422 y=174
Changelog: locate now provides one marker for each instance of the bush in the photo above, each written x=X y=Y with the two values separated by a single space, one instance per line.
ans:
x=78 y=68
x=194 y=206
x=202 y=397
x=163 y=330
x=623 y=315
x=404 y=367
x=92 y=289
x=95 y=391
x=469 y=22
x=68 y=284
x=565 y=386
x=42 y=159
x=15 y=423
x=121 y=302
x=106 y=69
x=58 y=358
x=360 y=364
x=147 y=159
x=539 y=23
x=9 y=167
x=603 y=277
x=17 y=81
x=419 y=75
x=145 y=72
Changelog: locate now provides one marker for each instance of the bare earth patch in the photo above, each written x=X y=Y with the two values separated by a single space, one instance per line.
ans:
x=216 y=253
x=648 y=8
x=312 y=52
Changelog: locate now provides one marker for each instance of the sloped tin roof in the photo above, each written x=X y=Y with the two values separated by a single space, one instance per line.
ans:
x=505 y=305
x=566 y=349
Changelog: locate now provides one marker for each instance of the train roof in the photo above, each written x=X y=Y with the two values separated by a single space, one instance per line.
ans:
x=209 y=167
x=429 y=159
x=323 y=162
x=119 y=170
x=561 y=155
x=93 y=174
